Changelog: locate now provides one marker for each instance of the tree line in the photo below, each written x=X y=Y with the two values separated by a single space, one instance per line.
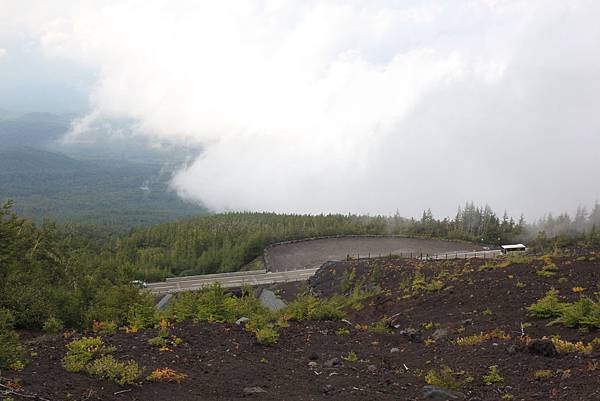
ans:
x=78 y=274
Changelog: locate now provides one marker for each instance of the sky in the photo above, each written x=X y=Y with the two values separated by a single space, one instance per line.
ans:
x=331 y=106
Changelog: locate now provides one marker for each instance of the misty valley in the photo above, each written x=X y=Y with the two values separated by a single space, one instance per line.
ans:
x=299 y=200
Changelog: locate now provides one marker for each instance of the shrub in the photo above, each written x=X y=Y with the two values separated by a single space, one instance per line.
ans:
x=266 y=335
x=479 y=338
x=548 y=306
x=109 y=368
x=351 y=357
x=214 y=305
x=80 y=352
x=166 y=375
x=11 y=350
x=52 y=325
x=308 y=307
x=493 y=376
x=342 y=331
x=143 y=314
x=104 y=327
x=564 y=346
x=381 y=327
x=583 y=313
x=435 y=285
x=543 y=374
x=112 y=304
x=445 y=378
x=158 y=341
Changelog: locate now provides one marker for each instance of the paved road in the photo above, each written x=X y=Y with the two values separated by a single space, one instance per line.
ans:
x=260 y=277
x=229 y=280
x=312 y=254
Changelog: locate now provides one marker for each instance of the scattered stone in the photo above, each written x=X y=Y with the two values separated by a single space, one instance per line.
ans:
x=466 y=322
x=269 y=300
x=312 y=365
x=475 y=399
x=330 y=363
x=412 y=334
x=242 y=320
x=543 y=347
x=511 y=349
x=395 y=321
x=393 y=350
x=441 y=394
x=253 y=390
x=439 y=334
x=313 y=356
x=328 y=389
x=372 y=368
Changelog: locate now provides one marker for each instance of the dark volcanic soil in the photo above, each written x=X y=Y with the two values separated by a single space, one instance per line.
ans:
x=222 y=360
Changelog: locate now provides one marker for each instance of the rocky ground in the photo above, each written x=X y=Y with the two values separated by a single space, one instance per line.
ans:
x=465 y=318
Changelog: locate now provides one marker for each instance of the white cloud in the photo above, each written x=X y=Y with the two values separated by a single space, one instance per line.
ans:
x=350 y=106
x=2 y=53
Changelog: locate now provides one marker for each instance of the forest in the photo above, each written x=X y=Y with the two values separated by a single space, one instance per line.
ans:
x=77 y=274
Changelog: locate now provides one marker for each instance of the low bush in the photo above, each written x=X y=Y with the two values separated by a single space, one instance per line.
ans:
x=543 y=374
x=266 y=335
x=107 y=367
x=82 y=351
x=143 y=314
x=308 y=307
x=166 y=375
x=548 y=306
x=446 y=378
x=213 y=304
x=583 y=313
x=104 y=327
x=479 y=338
x=52 y=325
x=493 y=376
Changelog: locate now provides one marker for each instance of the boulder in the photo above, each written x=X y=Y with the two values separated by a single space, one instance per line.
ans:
x=542 y=346
x=254 y=390
x=412 y=334
x=269 y=300
x=441 y=394
x=439 y=334
x=242 y=320
x=330 y=363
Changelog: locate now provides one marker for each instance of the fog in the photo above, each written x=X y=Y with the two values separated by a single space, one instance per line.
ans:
x=362 y=107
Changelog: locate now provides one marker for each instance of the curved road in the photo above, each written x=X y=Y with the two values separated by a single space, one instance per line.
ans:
x=312 y=254
x=298 y=261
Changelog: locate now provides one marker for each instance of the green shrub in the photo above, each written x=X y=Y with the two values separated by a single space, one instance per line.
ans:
x=548 y=306
x=266 y=335
x=143 y=314
x=435 y=285
x=308 y=307
x=158 y=341
x=214 y=305
x=109 y=368
x=80 y=352
x=493 y=376
x=112 y=304
x=351 y=357
x=52 y=325
x=11 y=351
x=583 y=313
x=445 y=378
x=381 y=327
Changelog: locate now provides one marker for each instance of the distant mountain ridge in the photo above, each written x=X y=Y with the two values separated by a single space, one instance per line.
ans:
x=110 y=183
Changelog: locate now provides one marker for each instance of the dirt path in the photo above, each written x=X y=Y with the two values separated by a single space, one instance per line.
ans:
x=313 y=253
